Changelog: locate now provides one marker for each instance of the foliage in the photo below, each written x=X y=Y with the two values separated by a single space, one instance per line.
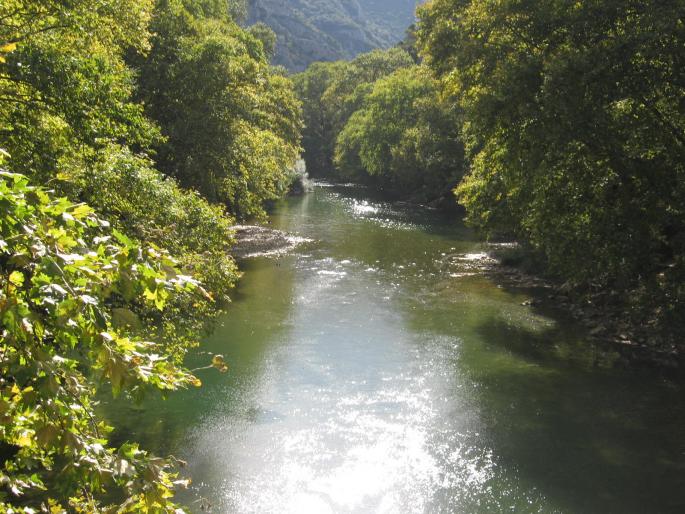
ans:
x=331 y=92
x=318 y=135
x=574 y=124
x=65 y=92
x=263 y=33
x=79 y=297
x=129 y=192
x=356 y=80
x=231 y=122
x=408 y=44
x=404 y=136
x=68 y=284
x=381 y=118
x=70 y=119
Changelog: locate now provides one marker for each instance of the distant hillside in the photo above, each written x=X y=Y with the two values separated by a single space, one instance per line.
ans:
x=326 y=30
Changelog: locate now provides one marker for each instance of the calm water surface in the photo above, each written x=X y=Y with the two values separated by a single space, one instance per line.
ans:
x=378 y=369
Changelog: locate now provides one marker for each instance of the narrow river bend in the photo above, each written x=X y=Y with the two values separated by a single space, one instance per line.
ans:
x=378 y=369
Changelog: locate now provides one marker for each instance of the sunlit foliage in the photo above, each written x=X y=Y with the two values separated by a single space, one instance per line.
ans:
x=381 y=119
x=72 y=293
x=331 y=92
x=404 y=137
x=81 y=297
x=64 y=89
x=231 y=122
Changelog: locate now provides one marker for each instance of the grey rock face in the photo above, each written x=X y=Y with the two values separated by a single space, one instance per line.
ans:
x=327 y=30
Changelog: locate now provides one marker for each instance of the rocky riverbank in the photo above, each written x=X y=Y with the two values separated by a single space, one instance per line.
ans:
x=601 y=312
x=260 y=241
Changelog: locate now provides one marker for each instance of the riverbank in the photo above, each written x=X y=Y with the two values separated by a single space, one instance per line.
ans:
x=603 y=313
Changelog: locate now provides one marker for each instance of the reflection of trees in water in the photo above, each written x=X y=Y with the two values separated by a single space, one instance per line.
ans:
x=568 y=418
x=257 y=318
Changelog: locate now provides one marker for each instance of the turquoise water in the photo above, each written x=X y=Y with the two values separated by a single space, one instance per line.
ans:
x=379 y=368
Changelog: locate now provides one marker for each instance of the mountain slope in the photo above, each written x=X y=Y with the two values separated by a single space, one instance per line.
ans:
x=326 y=30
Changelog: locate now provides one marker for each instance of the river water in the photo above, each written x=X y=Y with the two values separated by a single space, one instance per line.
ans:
x=379 y=369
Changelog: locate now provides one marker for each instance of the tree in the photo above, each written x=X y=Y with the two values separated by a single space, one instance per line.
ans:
x=67 y=117
x=356 y=80
x=230 y=121
x=318 y=135
x=81 y=297
x=405 y=137
x=65 y=91
x=263 y=33
x=331 y=92
x=576 y=134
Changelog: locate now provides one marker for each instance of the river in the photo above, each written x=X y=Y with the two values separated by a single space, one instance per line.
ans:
x=379 y=369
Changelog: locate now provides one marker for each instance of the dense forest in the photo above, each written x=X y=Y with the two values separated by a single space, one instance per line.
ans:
x=560 y=125
x=135 y=133
x=380 y=119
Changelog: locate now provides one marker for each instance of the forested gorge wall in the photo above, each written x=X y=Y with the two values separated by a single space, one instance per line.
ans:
x=328 y=30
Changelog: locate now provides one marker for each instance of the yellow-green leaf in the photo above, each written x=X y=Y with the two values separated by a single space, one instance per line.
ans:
x=8 y=47
x=17 y=278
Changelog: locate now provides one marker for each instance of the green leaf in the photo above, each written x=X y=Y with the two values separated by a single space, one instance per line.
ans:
x=17 y=278
x=123 y=317
x=123 y=239
x=81 y=211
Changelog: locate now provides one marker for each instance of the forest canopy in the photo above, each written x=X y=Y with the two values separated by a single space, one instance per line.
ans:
x=574 y=125
x=381 y=119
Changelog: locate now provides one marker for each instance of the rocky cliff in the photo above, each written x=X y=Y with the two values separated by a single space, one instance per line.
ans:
x=326 y=30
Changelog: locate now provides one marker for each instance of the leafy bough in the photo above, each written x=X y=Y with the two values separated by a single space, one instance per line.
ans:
x=69 y=286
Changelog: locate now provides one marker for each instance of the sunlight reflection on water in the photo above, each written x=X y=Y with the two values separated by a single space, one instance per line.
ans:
x=380 y=369
x=360 y=435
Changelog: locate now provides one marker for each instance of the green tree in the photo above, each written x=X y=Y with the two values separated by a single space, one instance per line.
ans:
x=355 y=81
x=575 y=128
x=404 y=137
x=331 y=92
x=67 y=117
x=318 y=134
x=231 y=122
x=64 y=89
x=80 y=297
x=128 y=191
x=263 y=33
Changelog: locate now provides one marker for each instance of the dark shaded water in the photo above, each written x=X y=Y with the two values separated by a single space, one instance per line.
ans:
x=378 y=369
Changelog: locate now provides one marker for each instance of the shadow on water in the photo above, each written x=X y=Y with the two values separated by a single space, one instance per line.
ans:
x=578 y=422
x=264 y=293
x=597 y=439
x=569 y=418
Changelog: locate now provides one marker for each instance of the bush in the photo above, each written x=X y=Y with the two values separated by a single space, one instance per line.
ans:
x=73 y=291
